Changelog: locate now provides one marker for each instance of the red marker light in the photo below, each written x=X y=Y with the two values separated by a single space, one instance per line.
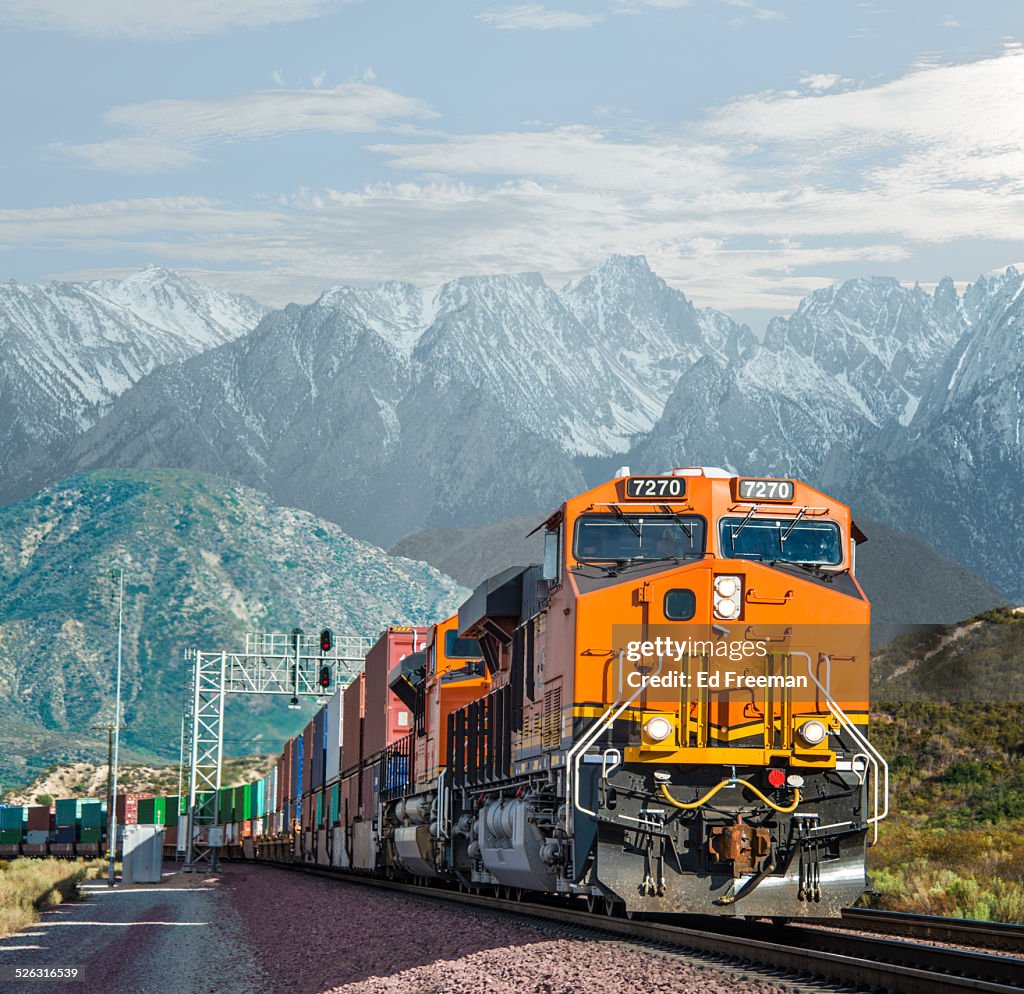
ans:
x=776 y=777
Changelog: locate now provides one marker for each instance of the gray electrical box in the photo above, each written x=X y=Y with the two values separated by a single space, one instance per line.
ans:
x=143 y=851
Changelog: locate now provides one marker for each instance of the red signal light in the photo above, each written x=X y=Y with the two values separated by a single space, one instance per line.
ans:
x=326 y=640
x=325 y=676
x=776 y=777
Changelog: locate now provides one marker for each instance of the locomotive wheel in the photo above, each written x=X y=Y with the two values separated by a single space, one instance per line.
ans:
x=593 y=902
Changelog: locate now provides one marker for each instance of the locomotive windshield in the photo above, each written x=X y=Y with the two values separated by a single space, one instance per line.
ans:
x=774 y=540
x=604 y=538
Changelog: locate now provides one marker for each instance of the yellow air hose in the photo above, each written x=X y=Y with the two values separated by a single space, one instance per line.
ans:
x=701 y=801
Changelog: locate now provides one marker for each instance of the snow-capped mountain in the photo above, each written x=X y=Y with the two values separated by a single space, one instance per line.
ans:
x=852 y=360
x=67 y=350
x=393 y=408
x=955 y=473
x=588 y=367
x=319 y=408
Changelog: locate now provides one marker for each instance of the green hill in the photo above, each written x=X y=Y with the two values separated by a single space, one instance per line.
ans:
x=949 y=717
x=205 y=561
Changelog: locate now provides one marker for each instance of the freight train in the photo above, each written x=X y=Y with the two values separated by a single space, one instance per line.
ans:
x=668 y=714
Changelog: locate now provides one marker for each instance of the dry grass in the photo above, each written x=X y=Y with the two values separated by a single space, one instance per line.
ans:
x=29 y=886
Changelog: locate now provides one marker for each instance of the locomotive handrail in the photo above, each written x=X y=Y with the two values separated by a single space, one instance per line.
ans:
x=575 y=753
x=881 y=778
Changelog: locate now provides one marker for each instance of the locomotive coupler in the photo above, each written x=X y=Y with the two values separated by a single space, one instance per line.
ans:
x=740 y=844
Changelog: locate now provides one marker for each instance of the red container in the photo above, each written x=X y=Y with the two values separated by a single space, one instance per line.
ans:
x=353 y=710
x=387 y=718
x=368 y=797
x=349 y=799
x=38 y=818
x=307 y=759
x=127 y=808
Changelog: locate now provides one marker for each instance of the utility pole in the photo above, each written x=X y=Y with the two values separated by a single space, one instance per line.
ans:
x=112 y=813
x=111 y=798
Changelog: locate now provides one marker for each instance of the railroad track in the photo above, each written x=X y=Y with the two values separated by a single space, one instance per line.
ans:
x=863 y=962
x=987 y=935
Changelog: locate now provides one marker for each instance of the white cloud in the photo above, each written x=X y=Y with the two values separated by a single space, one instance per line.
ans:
x=536 y=17
x=157 y=19
x=318 y=80
x=277 y=76
x=821 y=81
x=165 y=134
x=753 y=205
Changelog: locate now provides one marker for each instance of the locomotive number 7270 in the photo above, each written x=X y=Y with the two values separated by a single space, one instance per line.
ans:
x=640 y=487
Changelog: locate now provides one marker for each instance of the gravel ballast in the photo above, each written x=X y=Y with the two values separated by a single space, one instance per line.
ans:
x=314 y=936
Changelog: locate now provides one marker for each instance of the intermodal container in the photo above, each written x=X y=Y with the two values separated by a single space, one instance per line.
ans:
x=90 y=835
x=319 y=743
x=387 y=718
x=296 y=786
x=65 y=834
x=127 y=808
x=69 y=812
x=332 y=762
x=307 y=759
x=13 y=817
x=9 y=836
x=38 y=818
x=332 y=817
x=146 y=814
x=354 y=707
x=93 y=814
x=226 y=805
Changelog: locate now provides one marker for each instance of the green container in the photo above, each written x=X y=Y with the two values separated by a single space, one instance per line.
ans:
x=90 y=835
x=13 y=818
x=69 y=812
x=146 y=813
x=259 y=801
x=93 y=814
x=172 y=810
x=243 y=802
x=10 y=836
x=334 y=804
x=159 y=810
x=226 y=806
x=319 y=816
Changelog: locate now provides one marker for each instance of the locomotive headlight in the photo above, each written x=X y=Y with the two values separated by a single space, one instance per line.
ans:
x=726 y=586
x=657 y=729
x=812 y=732
x=728 y=597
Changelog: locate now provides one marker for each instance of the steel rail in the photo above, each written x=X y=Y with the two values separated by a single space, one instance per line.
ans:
x=966 y=931
x=903 y=967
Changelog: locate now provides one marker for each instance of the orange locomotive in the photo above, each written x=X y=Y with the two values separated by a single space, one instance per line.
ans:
x=668 y=715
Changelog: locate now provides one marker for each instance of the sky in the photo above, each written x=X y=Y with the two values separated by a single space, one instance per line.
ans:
x=752 y=150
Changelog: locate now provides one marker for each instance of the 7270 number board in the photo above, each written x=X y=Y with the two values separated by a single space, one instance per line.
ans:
x=765 y=490
x=655 y=487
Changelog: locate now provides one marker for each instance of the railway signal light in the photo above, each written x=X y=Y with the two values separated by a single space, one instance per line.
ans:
x=296 y=635
x=325 y=676
x=326 y=640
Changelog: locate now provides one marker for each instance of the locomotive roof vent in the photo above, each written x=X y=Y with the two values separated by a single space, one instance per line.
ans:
x=711 y=472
